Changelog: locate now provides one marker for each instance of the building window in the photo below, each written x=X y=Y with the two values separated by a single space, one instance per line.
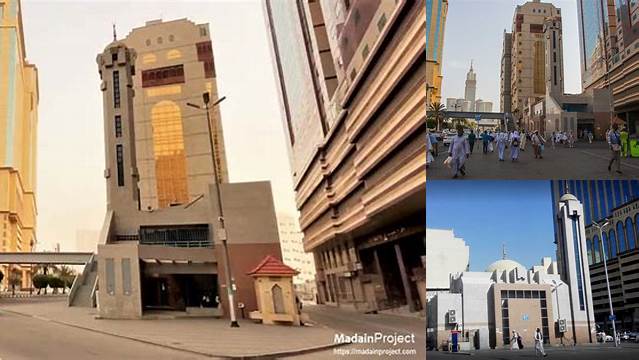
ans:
x=116 y=89
x=202 y=31
x=120 y=163
x=621 y=236
x=171 y=37
x=365 y=51
x=159 y=40
x=381 y=22
x=578 y=259
x=148 y=42
x=163 y=76
x=118 y=126
x=613 y=244
x=630 y=234
x=114 y=56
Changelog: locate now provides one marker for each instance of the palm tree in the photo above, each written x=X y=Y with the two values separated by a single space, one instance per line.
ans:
x=66 y=274
x=437 y=111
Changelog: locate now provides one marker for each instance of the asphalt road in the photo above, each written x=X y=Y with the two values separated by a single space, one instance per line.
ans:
x=23 y=337
x=585 y=161
x=351 y=322
x=596 y=352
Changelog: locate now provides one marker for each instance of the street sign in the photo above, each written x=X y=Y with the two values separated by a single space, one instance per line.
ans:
x=525 y=317
x=612 y=317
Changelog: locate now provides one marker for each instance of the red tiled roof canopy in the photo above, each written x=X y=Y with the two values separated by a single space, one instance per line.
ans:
x=271 y=266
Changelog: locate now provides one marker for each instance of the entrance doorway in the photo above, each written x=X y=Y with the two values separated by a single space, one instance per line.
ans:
x=179 y=291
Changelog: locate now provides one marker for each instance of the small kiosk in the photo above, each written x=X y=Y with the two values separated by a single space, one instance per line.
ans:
x=275 y=293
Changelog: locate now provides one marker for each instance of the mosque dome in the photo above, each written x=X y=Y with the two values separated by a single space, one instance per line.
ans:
x=504 y=265
x=567 y=197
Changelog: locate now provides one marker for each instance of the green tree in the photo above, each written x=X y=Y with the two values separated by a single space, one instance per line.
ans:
x=40 y=281
x=436 y=114
x=15 y=279
x=55 y=282
x=66 y=275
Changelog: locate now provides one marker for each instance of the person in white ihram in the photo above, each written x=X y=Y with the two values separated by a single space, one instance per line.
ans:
x=539 y=343
x=513 y=341
x=459 y=151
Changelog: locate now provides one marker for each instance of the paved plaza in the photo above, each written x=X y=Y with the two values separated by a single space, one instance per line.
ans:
x=584 y=161
x=587 y=352
x=44 y=327
x=349 y=322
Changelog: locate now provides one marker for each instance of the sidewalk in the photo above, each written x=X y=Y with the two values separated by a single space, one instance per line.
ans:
x=211 y=337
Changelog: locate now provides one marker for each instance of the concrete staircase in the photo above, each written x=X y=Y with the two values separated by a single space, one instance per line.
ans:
x=82 y=291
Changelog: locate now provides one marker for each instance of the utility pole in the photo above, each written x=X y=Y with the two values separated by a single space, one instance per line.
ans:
x=221 y=232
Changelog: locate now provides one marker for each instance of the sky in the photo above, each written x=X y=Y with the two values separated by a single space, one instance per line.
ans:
x=487 y=214
x=71 y=190
x=483 y=44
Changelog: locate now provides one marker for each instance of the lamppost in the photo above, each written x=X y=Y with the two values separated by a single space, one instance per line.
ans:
x=612 y=312
x=221 y=233
x=555 y=289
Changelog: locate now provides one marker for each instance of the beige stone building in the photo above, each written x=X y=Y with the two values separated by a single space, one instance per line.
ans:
x=18 y=137
x=528 y=67
x=169 y=258
x=293 y=255
x=352 y=85
x=174 y=66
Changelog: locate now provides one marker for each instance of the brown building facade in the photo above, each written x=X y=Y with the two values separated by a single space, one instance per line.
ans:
x=352 y=83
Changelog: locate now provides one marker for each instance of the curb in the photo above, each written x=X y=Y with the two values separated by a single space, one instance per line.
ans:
x=239 y=357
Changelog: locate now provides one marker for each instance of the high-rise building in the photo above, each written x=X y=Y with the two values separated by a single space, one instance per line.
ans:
x=436 y=12
x=293 y=255
x=505 y=91
x=174 y=67
x=471 y=85
x=624 y=59
x=528 y=68
x=617 y=203
x=352 y=81
x=173 y=257
x=597 y=40
x=18 y=135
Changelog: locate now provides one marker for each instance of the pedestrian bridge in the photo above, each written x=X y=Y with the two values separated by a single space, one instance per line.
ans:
x=52 y=258
x=471 y=115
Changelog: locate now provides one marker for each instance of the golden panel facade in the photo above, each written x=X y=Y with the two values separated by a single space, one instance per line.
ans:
x=170 y=159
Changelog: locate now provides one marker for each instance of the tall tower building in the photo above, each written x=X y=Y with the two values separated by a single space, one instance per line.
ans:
x=554 y=57
x=597 y=40
x=436 y=12
x=356 y=139
x=471 y=85
x=528 y=75
x=572 y=258
x=505 y=91
x=18 y=137
x=174 y=66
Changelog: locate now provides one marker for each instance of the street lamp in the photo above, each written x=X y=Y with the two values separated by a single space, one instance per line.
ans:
x=555 y=289
x=612 y=312
x=222 y=230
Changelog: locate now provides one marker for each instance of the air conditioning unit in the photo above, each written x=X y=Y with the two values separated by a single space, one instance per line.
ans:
x=562 y=325
x=452 y=318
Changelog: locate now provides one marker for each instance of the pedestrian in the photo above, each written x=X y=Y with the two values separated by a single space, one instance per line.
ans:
x=515 y=140
x=485 y=140
x=501 y=140
x=459 y=151
x=520 y=341
x=624 y=142
x=434 y=144
x=590 y=137
x=523 y=139
x=614 y=139
x=429 y=150
x=514 y=345
x=539 y=343
x=538 y=143
x=471 y=140
x=571 y=140
x=491 y=145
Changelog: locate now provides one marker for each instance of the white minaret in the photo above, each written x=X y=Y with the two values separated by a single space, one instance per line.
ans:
x=471 y=85
x=116 y=64
x=573 y=266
